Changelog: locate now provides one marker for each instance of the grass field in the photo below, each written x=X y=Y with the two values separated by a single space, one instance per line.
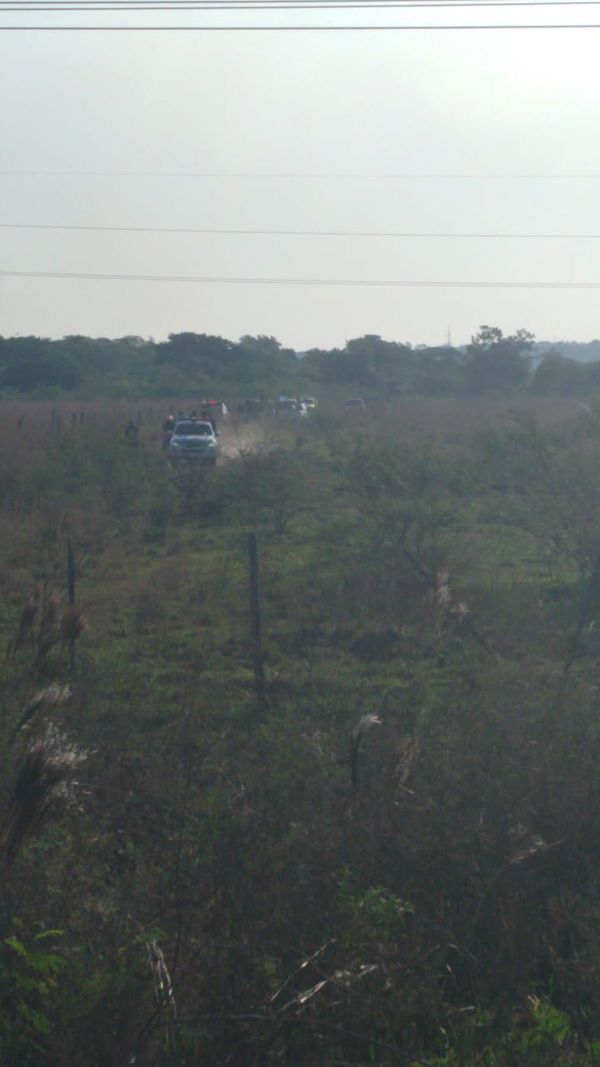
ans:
x=389 y=855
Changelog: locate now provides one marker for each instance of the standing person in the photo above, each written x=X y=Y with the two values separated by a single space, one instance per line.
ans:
x=168 y=428
x=132 y=432
x=208 y=413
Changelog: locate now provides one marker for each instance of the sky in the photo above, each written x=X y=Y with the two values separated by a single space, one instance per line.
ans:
x=421 y=132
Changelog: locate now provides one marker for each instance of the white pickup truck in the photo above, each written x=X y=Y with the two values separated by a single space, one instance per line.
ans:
x=194 y=439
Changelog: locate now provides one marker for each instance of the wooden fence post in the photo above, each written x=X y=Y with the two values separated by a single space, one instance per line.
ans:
x=71 y=573
x=255 y=628
x=71 y=593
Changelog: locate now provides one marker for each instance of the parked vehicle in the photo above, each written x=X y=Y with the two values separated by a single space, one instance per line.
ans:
x=286 y=405
x=291 y=407
x=194 y=439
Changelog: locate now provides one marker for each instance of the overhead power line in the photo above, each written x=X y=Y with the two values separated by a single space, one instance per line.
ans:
x=7 y=6
x=249 y=4
x=119 y=6
x=284 y=5
x=341 y=4
x=190 y=6
x=274 y=5
x=315 y=28
x=199 y=175
x=211 y=231
x=329 y=282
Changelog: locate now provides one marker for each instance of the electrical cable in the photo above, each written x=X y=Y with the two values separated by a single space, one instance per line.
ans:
x=209 y=231
x=274 y=5
x=329 y=282
x=198 y=175
x=284 y=5
x=251 y=5
x=191 y=5
x=305 y=28
x=315 y=28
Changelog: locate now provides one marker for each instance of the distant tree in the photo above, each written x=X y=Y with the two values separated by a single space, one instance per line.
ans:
x=29 y=363
x=496 y=363
x=557 y=374
x=581 y=351
x=438 y=372
x=95 y=355
x=197 y=353
x=263 y=357
x=324 y=365
x=373 y=361
x=367 y=361
x=260 y=347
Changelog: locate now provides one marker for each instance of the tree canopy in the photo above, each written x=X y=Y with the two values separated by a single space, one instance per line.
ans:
x=493 y=363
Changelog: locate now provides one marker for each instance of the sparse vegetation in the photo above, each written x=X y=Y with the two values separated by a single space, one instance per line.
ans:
x=387 y=856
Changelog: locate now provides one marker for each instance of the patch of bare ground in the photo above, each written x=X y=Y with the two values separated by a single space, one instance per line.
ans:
x=238 y=439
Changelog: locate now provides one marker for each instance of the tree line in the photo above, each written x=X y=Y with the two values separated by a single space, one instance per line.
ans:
x=492 y=363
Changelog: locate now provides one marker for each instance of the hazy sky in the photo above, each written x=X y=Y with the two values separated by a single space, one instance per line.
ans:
x=373 y=104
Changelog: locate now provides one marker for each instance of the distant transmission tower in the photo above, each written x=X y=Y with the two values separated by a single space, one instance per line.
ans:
x=449 y=338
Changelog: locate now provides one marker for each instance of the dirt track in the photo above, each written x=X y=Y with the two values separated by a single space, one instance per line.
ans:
x=238 y=438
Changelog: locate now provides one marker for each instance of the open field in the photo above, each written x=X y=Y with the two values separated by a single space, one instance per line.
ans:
x=388 y=854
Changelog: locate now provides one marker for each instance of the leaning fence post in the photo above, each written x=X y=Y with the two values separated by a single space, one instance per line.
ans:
x=255 y=630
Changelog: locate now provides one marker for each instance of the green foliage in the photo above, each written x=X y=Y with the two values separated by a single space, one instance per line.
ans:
x=29 y=980
x=245 y=878
x=28 y=363
x=203 y=364
x=376 y=911
x=550 y=1028
x=496 y=363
